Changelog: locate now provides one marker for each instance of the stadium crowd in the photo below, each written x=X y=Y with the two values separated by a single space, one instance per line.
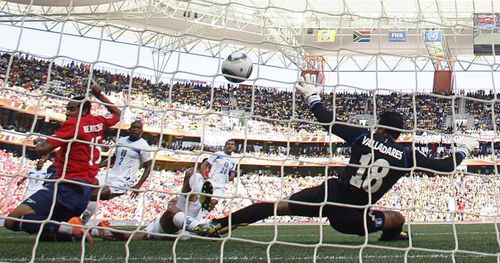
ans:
x=11 y=169
x=150 y=102
x=187 y=107
x=421 y=197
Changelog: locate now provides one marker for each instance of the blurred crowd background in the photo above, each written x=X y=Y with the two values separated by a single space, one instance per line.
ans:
x=197 y=107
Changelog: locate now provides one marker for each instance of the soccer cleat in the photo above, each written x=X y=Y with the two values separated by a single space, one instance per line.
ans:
x=104 y=233
x=401 y=236
x=104 y=223
x=210 y=229
x=207 y=188
x=78 y=230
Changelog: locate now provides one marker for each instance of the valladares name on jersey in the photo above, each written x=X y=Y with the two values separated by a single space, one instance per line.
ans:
x=93 y=128
x=378 y=146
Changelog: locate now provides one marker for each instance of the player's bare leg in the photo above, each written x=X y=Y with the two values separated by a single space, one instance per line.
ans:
x=167 y=220
x=105 y=194
x=18 y=212
x=185 y=184
x=174 y=219
x=105 y=232
x=52 y=232
x=170 y=222
x=120 y=236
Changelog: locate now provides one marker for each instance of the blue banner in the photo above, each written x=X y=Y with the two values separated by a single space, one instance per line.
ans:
x=433 y=36
x=397 y=36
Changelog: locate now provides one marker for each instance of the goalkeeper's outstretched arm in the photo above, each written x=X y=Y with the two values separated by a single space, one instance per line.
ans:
x=463 y=150
x=348 y=133
x=339 y=128
x=311 y=92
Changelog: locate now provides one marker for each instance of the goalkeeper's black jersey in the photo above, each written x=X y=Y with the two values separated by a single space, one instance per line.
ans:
x=375 y=156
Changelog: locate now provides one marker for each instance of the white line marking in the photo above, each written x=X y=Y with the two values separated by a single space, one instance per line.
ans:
x=239 y=258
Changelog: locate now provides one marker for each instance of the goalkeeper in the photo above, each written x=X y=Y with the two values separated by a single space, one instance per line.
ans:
x=376 y=164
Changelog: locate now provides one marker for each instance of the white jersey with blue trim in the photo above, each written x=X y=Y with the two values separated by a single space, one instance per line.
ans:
x=129 y=155
x=35 y=177
x=221 y=165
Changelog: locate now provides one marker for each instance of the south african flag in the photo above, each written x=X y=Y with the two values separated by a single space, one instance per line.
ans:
x=361 y=36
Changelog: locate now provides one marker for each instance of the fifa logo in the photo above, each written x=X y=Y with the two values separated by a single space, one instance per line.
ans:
x=397 y=36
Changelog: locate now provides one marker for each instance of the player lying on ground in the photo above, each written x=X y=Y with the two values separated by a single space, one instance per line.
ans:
x=187 y=211
x=131 y=152
x=374 y=167
x=72 y=195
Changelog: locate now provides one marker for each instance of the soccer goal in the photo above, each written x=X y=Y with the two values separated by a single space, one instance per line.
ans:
x=159 y=63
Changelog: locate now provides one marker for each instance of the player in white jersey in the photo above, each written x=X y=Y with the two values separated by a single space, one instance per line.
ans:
x=131 y=152
x=187 y=209
x=222 y=169
x=191 y=208
x=35 y=179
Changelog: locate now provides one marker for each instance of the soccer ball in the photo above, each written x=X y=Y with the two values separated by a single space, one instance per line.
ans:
x=237 y=67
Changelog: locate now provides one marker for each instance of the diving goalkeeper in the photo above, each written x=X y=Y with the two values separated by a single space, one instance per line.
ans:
x=376 y=164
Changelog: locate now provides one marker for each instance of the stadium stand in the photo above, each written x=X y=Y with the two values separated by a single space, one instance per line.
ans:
x=67 y=80
x=476 y=191
x=29 y=80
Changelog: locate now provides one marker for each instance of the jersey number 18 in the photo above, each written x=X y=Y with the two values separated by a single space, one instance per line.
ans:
x=378 y=171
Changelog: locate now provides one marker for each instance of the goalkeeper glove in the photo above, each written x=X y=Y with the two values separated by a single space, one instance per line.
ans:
x=466 y=145
x=306 y=86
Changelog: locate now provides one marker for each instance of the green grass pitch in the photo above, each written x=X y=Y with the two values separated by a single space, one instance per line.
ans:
x=336 y=247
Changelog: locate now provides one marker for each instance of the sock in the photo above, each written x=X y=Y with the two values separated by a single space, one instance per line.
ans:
x=191 y=223
x=94 y=232
x=89 y=211
x=100 y=232
x=33 y=228
x=249 y=214
x=65 y=229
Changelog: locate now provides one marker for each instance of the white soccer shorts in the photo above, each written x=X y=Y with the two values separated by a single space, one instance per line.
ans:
x=117 y=185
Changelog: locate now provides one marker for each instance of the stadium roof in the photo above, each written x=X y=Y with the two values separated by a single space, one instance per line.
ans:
x=285 y=26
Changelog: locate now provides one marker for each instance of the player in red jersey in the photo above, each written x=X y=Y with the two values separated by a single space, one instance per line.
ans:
x=77 y=140
x=461 y=209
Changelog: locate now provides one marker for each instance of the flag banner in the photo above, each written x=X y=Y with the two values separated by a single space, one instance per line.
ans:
x=397 y=36
x=325 y=36
x=361 y=36
x=433 y=36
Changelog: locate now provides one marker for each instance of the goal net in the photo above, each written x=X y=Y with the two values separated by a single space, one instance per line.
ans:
x=160 y=62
